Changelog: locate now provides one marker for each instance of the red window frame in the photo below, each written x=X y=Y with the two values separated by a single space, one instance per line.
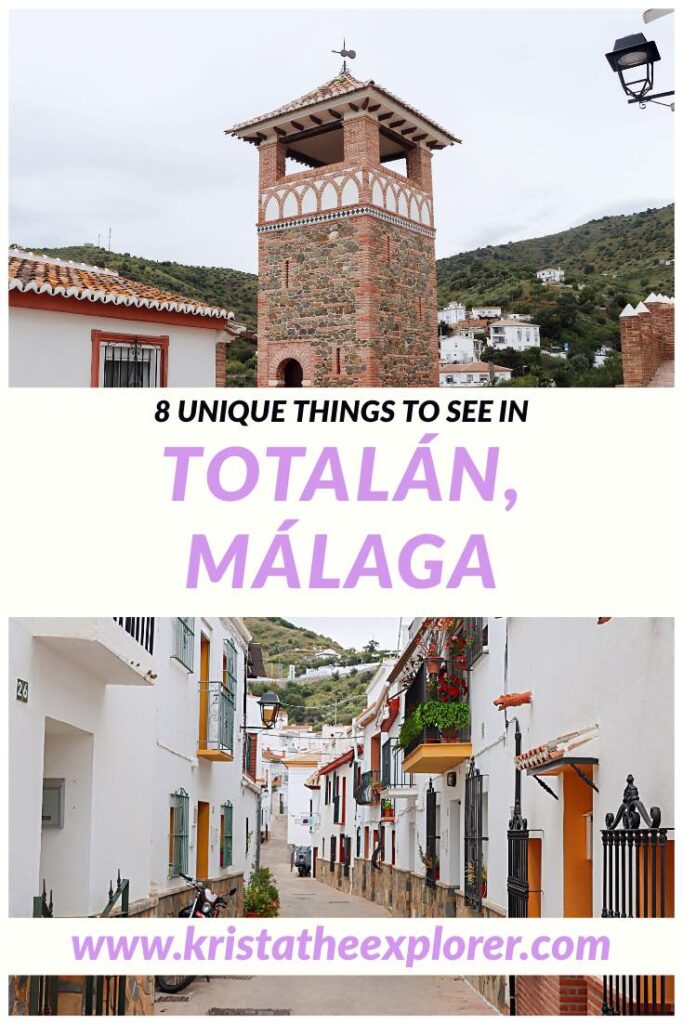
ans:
x=99 y=338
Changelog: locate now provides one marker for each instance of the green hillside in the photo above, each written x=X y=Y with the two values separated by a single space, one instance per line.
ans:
x=231 y=289
x=607 y=263
x=336 y=698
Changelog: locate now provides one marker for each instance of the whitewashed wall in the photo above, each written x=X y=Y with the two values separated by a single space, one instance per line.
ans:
x=122 y=751
x=51 y=349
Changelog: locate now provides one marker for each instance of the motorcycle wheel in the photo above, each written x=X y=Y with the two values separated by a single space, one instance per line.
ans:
x=173 y=982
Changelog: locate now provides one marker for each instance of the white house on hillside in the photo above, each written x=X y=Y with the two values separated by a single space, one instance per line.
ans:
x=472 y=375
x=452 y=314
x=73 y=325
x=513 y=334
x=461 y=347
x=485 y=312
x=550 y=274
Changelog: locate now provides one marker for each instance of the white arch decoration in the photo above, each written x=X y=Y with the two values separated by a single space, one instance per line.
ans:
x=350 y=194
x=328 y=199
x=309 y=201
x=290 y=207
x=272 y=210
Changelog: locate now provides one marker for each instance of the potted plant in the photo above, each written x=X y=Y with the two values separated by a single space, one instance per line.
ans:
x=430 y=862
x=261 y=896
x=433 y=660
x=387 y=808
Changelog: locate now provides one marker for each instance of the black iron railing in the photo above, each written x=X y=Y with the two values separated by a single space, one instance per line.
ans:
x=141 y=630
x=475 y=638
x=394 y=777
x=105 y=996
x=121 y=892
x=367 y=790
x=217 y=718
x=421 y=690
x=431 y=859
x=634 y=885
x=43 y=905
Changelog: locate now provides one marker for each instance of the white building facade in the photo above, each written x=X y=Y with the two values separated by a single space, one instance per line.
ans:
x=485 y=312
x=554 y=274
x=127 y=736
x=472 y=375
x=515 y=335
x=461 y=347
x=72 y=325
x=452 y=314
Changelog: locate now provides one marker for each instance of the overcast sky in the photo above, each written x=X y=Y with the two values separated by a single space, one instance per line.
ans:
x=117 y=119
x=357 y=632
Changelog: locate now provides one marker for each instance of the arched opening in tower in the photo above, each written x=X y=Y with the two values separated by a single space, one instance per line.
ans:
x=292 y=374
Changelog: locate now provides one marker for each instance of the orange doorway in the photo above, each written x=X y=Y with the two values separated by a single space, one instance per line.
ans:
x=203 y=815
x=577 y=798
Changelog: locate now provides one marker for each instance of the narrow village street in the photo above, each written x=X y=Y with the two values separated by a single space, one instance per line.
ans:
x=306 y=897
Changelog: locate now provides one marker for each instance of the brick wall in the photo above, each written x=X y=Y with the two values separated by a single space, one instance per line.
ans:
x=551 y=995
x=647 y=340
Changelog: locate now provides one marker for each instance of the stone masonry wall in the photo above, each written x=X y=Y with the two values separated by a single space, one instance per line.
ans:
x=353 y=299
x=170 y=904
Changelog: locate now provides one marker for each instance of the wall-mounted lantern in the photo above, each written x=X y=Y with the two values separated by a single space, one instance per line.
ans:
x=633 y=58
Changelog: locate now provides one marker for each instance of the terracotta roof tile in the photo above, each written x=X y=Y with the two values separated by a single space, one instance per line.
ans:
x=342 y=84
x=48 y=275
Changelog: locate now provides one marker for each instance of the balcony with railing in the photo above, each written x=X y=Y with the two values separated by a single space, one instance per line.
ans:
x=435 y=734
x=368 y=789
x=117 y=651
x=396 y=783
x=216 y=722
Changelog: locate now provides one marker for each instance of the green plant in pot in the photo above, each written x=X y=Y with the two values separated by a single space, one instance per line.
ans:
x=261 y=896
x=449 y=717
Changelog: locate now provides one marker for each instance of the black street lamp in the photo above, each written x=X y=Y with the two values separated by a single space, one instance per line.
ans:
x=270 y=705
x=635 y=53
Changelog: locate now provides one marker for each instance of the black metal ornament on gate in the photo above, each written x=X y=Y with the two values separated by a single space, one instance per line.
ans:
x=634 y=885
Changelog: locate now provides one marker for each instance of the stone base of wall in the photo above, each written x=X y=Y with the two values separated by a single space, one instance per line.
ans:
x=171 y=903
x=71 y=996
x=333 y=876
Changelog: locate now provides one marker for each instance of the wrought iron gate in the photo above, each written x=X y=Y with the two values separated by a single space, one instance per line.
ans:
x=518 y=863
x=431 y=850
x=474 y=838
x=634 y=885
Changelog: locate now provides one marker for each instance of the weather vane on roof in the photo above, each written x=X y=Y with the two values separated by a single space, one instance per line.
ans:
x=345 y=53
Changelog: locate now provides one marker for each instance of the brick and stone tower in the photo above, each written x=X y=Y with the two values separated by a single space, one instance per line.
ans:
x=347 y=270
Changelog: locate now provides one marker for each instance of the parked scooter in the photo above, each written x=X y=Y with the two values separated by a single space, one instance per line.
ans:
x=302 y=861
x=206 y=903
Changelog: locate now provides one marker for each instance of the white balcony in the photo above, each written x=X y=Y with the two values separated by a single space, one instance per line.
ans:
x=117 y=652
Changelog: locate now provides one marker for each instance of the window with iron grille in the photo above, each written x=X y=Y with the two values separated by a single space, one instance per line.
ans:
x=226 y=835
x=333 y=850
x=327 y=790
x=386 y=764
x=358 y=839
x=474 y=838
x=179 y=833
x=347 y=856
x=131 y=365
x=476 y=635
x=183 y=642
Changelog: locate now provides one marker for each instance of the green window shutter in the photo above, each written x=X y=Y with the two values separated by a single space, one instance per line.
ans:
x=180 y=835
x=226 y=838
x=183 y=642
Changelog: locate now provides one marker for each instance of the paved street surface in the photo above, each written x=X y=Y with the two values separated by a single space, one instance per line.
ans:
x=330 y=996
x=664 y=376
x=306 y=897
x=320 y=996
